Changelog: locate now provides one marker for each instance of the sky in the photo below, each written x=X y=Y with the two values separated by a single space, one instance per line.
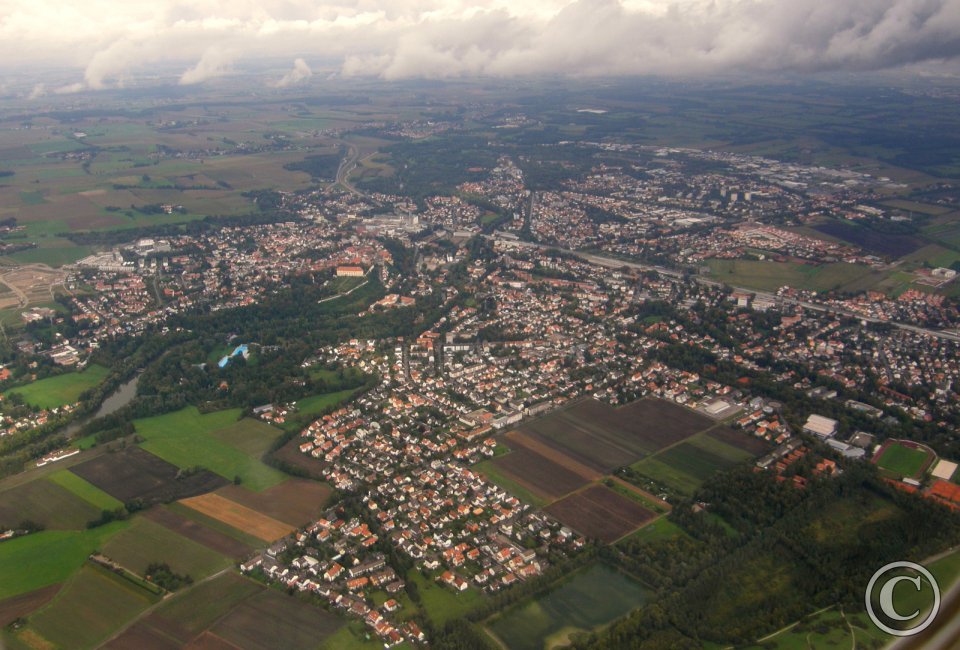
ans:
x=108 y=43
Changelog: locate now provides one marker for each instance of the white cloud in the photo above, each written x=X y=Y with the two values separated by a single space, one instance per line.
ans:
x=113 y=40
x=300 y=73
x=214 y=63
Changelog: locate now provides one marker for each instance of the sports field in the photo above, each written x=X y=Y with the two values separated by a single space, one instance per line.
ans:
x=904 y=460
x=62 y=389
x=188 y=438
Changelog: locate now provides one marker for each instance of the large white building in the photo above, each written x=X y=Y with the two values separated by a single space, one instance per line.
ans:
x=821 y=427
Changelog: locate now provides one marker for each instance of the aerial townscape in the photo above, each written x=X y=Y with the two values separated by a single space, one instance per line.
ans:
x=370 y=358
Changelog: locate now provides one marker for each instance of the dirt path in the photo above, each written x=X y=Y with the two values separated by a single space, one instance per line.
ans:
x=142 y=615
x=553 y=455
x=643 y=493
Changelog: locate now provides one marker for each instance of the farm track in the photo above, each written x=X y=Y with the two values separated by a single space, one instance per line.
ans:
x=142 y=615
x=554 y=455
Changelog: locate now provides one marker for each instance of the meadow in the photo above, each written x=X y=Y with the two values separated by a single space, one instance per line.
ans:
x=316 y=404
x=686 y=466
x=92 y=605
x=86 y=491
x=186 y=439
x=441 y=603
x=61 y=389
x=48 y=557
x=588 y=600
x=770 y=276
x=145 y=542
x=47 y=503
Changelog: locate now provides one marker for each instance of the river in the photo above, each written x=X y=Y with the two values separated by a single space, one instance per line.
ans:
x=115 y=401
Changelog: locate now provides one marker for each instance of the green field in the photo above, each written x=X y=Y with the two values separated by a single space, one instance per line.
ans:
x=489 y=469
x=145 y=542
x=93 y=605
x=829 y=629
x=684 y=467
x=355 y=636
x=770 y=276
x=201 y=606
x=62 y=389
x=48 y=557
x=586 y=601
x=252 y=437
x=903 y=461
x=46 y=503
x=186 y=439
x=656 y=531
x=316 y=403
x=441 y=603
x=89 y=493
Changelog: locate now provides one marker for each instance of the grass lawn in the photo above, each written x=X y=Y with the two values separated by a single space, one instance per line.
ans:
x=355 y=636
x=93 y=605
x=315 y=404
x=441 y=603
x=490 y=470
x=185 y=438
x=902 y=461
x=89 y=493
x=145 y=542
x=62 y=389
x=665 y=474
x=48 y=557
x=252 y=437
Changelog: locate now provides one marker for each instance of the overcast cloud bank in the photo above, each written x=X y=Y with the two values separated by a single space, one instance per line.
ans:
x=394 y=39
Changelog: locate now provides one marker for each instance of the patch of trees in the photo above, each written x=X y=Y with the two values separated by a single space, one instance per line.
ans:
x=160 y=574
x=793 y=551
x=107 y=516
x=435 y=166
x=319 y=166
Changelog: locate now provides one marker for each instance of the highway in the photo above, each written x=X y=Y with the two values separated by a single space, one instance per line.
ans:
x=614 y=263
